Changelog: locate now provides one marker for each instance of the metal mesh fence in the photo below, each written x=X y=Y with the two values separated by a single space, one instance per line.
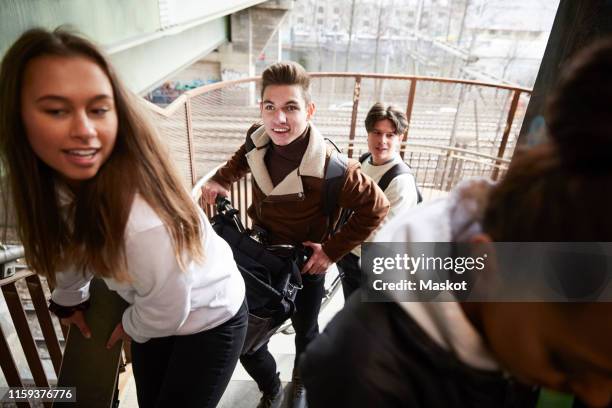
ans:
x=220 y=119
x=173 y=132
x=455 y=132
x=443 y=114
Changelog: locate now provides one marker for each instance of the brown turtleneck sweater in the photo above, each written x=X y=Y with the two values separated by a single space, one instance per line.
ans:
x=282 y=160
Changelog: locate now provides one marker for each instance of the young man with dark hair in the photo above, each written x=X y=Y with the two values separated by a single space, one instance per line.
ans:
x=288 y=158
x=385 y=125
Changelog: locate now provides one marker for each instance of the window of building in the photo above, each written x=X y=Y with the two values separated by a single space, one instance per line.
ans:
x=319 y=21
x=321 y=9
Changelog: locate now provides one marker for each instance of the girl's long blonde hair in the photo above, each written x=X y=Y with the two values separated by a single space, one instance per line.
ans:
x=92 y=237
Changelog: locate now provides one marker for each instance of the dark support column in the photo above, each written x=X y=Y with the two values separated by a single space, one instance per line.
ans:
x=87 y=364
x=577 y=24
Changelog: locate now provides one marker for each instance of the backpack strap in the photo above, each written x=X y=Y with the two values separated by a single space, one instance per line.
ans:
x=364 y=157
x=248 y=142
x=393 y=172
x=333 y=144
x=335 y=174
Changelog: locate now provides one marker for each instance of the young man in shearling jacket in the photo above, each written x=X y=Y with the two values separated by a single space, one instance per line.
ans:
x=288 y=163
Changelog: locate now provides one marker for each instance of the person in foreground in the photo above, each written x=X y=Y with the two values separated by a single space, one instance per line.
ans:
x=451 y=354
x=288 y=159
x=97 y=196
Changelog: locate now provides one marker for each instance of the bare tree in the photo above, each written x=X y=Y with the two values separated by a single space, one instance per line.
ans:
x=350 y=39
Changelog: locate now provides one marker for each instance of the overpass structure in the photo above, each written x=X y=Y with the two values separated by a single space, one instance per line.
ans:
x=150 y=40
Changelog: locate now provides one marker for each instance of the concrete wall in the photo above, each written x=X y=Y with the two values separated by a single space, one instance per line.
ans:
x=182 y=11
x=147 y=65
x=147 y=40
x=106 y=21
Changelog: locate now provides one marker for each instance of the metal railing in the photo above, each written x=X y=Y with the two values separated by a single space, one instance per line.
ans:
x=25 y=296
x=204 y=126
x=32 y=352
x=437 y=170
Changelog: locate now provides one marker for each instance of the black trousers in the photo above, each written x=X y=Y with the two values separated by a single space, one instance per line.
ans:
x=191 y=370
x=351 y=274
x=261 y=365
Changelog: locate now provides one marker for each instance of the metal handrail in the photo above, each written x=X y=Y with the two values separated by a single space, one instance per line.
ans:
x=10 y=253
x=444 y=148
x=198 y=110
x=13 y=298
x=170 y=109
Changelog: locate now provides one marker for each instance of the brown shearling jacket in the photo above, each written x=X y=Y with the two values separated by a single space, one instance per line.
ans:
x=291 y=211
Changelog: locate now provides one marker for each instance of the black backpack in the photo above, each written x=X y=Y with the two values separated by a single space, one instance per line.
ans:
x=393 y=172
x=383 y=183
x=271 y=275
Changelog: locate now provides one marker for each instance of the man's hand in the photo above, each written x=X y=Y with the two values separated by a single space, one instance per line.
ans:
x=117 y=334
x=78 y=319
x=318 y=262
x=211 y=189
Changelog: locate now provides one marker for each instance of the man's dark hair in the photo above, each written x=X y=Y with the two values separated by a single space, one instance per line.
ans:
x=381 y=111
x=286 y=73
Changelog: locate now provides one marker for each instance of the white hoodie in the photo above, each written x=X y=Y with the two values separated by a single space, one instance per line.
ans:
x=165 y=300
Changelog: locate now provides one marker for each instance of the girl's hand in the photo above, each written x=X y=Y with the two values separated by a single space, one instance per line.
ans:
x=117 y=334
x=78 y=319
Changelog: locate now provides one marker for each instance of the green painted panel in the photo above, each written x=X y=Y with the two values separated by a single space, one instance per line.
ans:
x=104 y=21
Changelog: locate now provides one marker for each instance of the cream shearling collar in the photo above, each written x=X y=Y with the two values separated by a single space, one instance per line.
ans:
x=312 y=164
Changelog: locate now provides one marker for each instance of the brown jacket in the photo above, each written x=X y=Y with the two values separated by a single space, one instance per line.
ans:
x=291 y=211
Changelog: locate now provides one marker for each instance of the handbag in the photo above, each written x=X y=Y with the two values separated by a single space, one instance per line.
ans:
x=271 y=274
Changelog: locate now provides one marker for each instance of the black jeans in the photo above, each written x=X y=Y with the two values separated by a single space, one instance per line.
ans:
x=351 y=274
x=261 y=365
x=191 y=370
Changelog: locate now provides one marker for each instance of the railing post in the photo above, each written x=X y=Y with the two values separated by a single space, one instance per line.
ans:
x=9 y=367
x=44 y=319
x=409 y=106
x=25 y=334
x=7 y=363
x=190 y=141
x=356 y=93
x=502 y=147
